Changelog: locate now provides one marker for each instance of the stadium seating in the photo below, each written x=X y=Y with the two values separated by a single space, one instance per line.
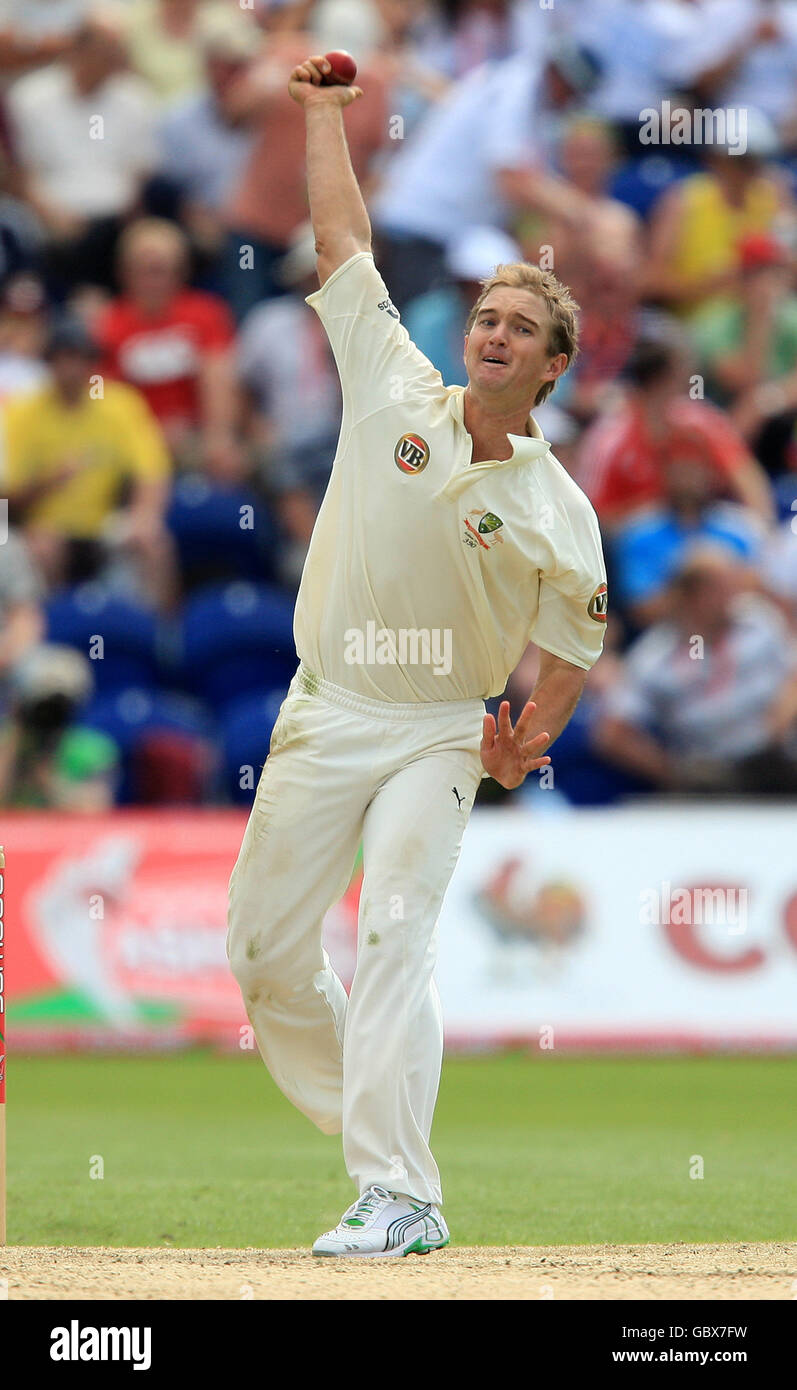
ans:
x=237 y=639
x=220 y=533
x=133 y=715
x=121 y=638
x=245 y=734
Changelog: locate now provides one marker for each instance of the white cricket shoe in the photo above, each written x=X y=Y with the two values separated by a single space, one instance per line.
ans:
x=380 y=1223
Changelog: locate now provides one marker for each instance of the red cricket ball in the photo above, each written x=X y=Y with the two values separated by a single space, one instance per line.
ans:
x=344 y=68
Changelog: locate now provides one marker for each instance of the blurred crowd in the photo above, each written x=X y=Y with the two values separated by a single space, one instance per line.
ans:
x=169 y=405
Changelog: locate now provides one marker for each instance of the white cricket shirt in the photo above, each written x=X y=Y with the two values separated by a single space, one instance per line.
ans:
x=413 y=539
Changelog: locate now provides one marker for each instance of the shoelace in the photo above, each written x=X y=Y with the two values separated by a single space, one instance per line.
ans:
x=364 y=1208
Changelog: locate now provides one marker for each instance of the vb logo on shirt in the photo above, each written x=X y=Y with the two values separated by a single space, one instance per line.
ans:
x=411 y=453
x=598 y=606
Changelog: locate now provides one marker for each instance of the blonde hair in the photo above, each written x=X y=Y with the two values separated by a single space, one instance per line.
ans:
x=153 y=231
x=559 y=302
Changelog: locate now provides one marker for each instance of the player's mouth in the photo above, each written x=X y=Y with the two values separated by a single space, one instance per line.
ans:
x=492 y=360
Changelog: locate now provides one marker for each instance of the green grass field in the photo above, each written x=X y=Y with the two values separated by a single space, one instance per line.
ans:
x=202 y=1150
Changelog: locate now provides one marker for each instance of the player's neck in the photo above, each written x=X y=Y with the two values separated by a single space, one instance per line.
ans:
x=489 y=430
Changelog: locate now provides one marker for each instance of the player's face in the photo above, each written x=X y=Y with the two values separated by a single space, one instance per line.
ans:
x=507 y=350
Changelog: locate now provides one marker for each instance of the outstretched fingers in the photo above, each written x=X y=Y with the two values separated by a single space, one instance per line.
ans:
x=505 y=733
x=531 y=752
x=524 y=719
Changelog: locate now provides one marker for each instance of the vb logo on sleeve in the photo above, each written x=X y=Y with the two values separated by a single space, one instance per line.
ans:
x=598 y=606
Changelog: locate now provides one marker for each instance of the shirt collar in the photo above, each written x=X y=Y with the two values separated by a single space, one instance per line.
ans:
x=524 y=446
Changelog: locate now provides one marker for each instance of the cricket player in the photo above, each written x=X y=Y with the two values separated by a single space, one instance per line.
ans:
x=449 y=536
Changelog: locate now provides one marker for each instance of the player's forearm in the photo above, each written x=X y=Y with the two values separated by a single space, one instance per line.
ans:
x=556 y=695
x=545 y=193
x=339 y=217
x=712 y=79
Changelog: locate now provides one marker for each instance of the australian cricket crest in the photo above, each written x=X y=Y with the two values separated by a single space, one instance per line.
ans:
x=483 y=528
x=411 y=453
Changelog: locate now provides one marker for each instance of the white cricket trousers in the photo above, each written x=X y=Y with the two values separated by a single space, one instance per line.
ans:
x=402 y=778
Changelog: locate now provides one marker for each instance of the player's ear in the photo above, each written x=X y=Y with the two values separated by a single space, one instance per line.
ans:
x=465 y=350
x=556 y=366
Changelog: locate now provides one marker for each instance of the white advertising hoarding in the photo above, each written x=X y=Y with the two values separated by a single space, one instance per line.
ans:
x=644 y=926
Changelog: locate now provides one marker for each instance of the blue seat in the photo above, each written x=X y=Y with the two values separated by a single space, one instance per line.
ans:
x=245 y=735
x=580 y=773
x=220 y=533
x=640 y=182
x=129 y=715
x=125 y=715
x=121 y=638
x=237 y=639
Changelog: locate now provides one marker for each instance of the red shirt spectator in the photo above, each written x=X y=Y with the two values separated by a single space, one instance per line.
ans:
x=161 y=352
x=623 y=461
x=623 y=457
x=175 y=345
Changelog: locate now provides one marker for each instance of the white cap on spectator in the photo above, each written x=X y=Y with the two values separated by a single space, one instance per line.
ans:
x=350 y=24
x=475 y=254
x=229 y=32
x=53 y=669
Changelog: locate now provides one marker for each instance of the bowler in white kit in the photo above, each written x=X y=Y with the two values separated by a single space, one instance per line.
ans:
x=449 y=537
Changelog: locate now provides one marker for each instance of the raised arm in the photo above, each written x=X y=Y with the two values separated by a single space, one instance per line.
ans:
x=340 y=221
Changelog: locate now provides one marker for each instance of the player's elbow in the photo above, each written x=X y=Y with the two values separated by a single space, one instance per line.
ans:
x=334 y=251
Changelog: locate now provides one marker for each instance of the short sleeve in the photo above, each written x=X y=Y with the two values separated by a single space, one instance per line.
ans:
x=571 y=619
x=377 y=361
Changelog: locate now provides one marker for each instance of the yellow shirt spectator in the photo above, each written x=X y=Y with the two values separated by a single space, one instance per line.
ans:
x=712 y=230
x=699 y=225
x=109 y=442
